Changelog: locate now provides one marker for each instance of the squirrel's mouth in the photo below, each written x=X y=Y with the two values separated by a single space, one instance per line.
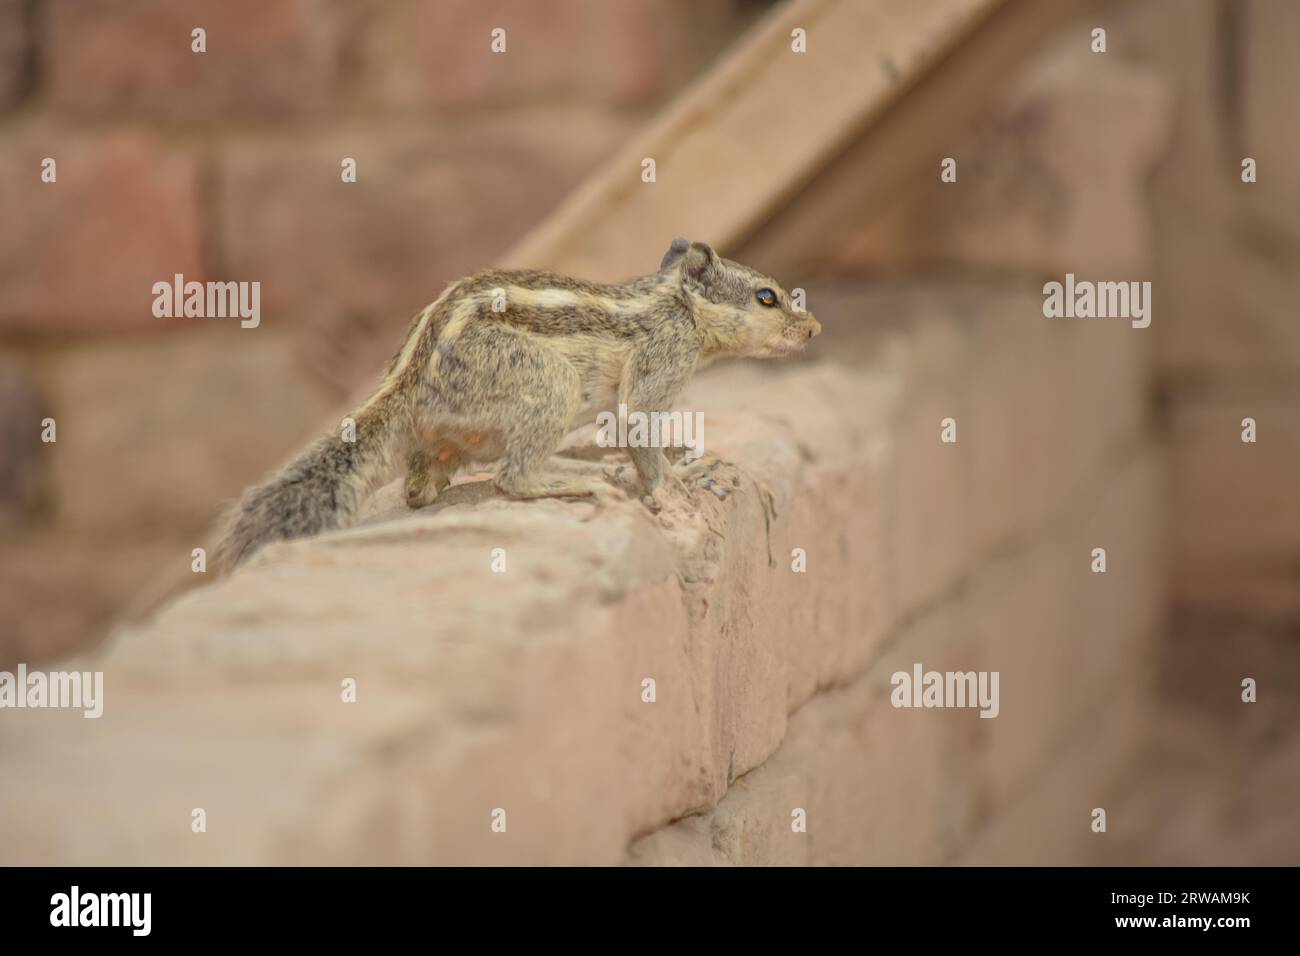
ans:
x=783 y=347
x=788 y=344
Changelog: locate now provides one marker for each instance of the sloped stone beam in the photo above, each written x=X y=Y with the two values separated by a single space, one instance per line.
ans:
x=741 y=142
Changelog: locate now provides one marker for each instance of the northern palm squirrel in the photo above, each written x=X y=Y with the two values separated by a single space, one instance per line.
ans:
x=504 y=364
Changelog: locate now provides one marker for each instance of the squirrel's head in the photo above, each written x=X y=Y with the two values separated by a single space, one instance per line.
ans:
x=742 y=312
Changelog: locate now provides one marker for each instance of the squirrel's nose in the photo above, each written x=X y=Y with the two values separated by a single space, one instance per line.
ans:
x=815 y=328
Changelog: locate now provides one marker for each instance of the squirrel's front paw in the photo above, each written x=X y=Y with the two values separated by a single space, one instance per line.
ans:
x=687 y=468
x=703 y=472
x=668 y=487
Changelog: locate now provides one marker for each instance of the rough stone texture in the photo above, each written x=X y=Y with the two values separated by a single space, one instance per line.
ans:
x=474 y=659
x=893 y=786
x=522 y=690
x=271 y=59
x=83 y=253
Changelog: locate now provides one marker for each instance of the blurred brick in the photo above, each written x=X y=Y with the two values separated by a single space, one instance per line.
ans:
x=426 y=208
x=276 y=58
x=22 y=464
x=1047 y=822
x=14 y=40
x=1211 y=266
x=929 y=491
x=1237 y=501
x=832 y=764
x=155 y=434
x=588 y=50
x=1179 y=37
x=1021 y=441
x=1049 y=178
x=84 y=252
x=59 y=592
x=1073 y=651
x=1064 y=638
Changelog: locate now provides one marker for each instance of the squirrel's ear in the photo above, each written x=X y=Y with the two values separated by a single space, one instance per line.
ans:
x=699 y=262
x=674 y=253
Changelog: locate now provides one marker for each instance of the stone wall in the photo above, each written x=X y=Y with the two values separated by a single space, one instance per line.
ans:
x=1128 y=164
x=522 y=689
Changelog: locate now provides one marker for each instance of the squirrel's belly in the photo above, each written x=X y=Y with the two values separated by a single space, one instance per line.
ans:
x=598 y=377
x=593 y=403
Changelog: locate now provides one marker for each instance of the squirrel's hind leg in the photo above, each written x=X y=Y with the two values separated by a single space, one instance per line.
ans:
x=539 y=417
x=428 y=472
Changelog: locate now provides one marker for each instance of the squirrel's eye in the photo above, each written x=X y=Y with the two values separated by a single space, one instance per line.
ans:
x=765 y=297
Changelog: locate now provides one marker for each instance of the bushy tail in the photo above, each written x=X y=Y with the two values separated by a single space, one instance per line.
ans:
x=323 y=488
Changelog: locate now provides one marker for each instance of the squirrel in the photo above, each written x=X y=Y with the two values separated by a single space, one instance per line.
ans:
x=504 y=364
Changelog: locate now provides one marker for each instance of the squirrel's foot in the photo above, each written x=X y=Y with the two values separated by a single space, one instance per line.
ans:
x=687 y=468
x=701 y=471
x=428 y=472
x=421 y=490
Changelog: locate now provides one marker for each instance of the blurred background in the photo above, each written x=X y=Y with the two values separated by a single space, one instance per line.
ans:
x=227 y=167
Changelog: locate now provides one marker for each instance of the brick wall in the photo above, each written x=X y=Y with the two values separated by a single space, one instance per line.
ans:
x=226 y=165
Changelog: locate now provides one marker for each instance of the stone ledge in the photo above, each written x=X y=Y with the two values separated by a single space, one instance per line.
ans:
x=479 y=690
x=522 y=690
x=886 y=786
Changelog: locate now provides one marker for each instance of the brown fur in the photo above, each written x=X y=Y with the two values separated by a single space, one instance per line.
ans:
x=474 y=383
